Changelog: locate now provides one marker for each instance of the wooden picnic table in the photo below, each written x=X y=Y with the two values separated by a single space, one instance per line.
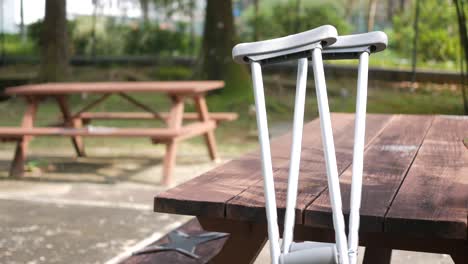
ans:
x=415 y=189
x=72 y=123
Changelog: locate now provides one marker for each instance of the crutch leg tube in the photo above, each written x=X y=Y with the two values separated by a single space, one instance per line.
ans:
x=267 y=169
x=330 y=158
x=293 y=178
x=358 y=156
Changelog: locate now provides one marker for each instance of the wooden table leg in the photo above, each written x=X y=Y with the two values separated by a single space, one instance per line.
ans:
x=77 y=141
x=460 y=255
x=203 y=113
x=374 y=255
x=17 y=166
x=245 y=241
x=174 y=121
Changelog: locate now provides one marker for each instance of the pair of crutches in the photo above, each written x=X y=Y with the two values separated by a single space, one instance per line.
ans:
x=322 y=42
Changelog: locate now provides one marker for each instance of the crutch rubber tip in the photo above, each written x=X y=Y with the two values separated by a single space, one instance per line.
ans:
x=313 y=253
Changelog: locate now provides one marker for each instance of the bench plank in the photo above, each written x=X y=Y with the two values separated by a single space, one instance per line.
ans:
x=219 y=116
x=160 y=133
x=170 y=87
x=250 y=204
x=433 y=199
x=386 y=162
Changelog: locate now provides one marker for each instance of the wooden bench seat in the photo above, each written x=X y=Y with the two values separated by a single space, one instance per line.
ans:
x=159 y=133
x=220 y=116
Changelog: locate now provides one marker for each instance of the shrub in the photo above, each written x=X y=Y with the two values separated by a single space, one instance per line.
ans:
x=438 y=33
x=282 y=19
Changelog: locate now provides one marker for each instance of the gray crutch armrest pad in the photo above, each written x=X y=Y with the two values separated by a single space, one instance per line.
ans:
x=350 y=46
x=261 y=50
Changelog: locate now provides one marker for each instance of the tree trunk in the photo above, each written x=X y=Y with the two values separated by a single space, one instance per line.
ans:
x=371 y=14
x=415 y=41
x=22 y=29
x=192 y=7
x=349 y=6
x=93 y=30
x=219 y=37
x=256 y=31
x=54 y=63
x=144 y=10
x=463 y=32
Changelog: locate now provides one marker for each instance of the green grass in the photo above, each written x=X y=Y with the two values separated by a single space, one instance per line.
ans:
x=382 y=98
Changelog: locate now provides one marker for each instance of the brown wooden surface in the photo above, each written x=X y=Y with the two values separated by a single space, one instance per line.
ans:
x=250 y=204
x=162 y=133
x=217 y=116
x=77 y=141
x=19 y=158
x=246 y=240
x=415 y=179
x=175 y=123
x=204 y=116
x=171 y=87
x=386 y=162
x=434 y=195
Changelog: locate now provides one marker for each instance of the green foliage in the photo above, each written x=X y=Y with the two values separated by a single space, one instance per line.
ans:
x=35 y=31
x=14 y=45
x=106 y=43
x=438 y=33
x=173 y=73
x=151 y=39
x=282 y=19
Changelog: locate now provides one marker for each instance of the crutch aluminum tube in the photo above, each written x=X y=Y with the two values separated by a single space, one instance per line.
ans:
x=357 y=46
x=301 y=47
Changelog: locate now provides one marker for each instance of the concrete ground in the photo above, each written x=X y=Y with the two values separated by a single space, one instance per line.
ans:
x=98 y=209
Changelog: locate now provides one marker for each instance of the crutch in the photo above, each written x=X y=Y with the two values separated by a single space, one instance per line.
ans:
x=358 y=46
x=300 y=46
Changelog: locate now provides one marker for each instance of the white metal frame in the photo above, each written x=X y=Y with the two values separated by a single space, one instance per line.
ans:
x=344 y=252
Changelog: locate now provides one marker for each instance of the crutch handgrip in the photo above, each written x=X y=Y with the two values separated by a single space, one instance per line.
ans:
x=310 y=253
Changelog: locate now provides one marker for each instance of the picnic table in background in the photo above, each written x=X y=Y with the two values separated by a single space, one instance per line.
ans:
x=415 y=189
x=202 y=121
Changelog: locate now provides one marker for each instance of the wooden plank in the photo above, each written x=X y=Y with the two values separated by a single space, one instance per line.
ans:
x=77 y=141
x=433 y=199
x=386 y=162
x=170 y=87
x=207 y=194
x=160 y=133
x=217 y=116
x=19 y=158
x=250 y=204
x=174 y=122
x=210 y=140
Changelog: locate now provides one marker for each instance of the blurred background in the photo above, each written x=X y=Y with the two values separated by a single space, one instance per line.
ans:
x=422 y=71
x=90 y=210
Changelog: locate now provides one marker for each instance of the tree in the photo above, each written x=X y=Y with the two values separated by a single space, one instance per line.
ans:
x=22 y=29
x=144 y=10
x=216 y=62
x=371 y=14
x=54 y=61
x=463 y=32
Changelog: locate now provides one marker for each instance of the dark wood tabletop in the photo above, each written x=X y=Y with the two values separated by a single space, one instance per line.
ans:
x=415 y=178
x=172 y=87
x=415 y=189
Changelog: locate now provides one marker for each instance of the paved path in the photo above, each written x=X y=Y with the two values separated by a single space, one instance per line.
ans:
x=101 y=213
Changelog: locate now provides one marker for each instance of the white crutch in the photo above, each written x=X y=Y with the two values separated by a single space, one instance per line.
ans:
x=303 y=46
x=357 y=46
